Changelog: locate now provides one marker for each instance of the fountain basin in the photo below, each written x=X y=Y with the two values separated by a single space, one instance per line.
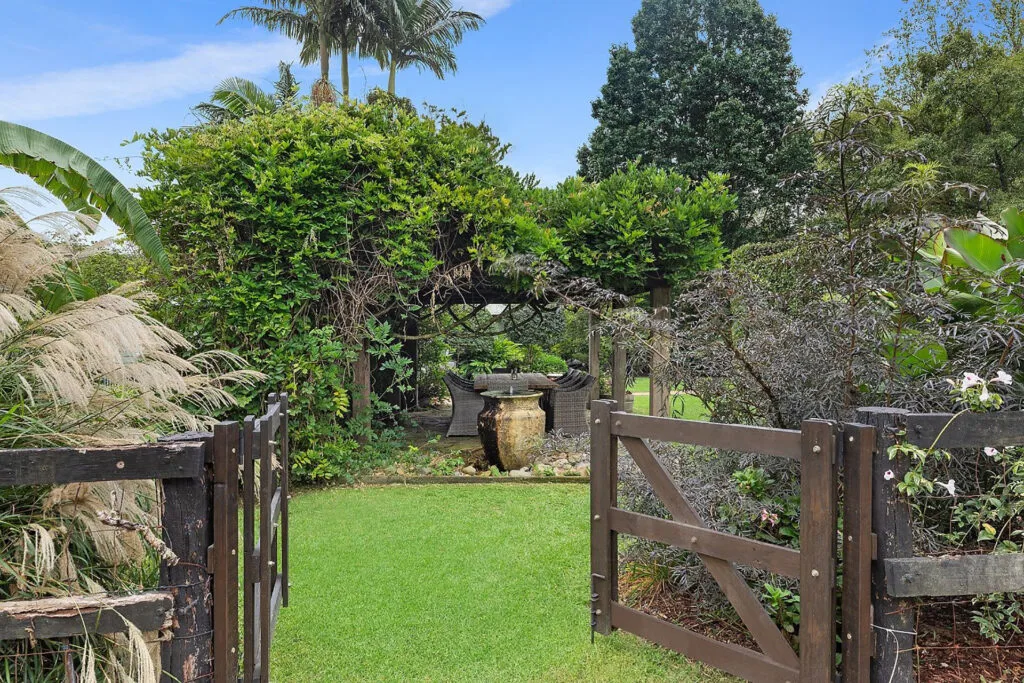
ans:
x=511 y=428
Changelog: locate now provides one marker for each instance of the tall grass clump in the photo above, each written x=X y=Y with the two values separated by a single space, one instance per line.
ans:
x=81 y=370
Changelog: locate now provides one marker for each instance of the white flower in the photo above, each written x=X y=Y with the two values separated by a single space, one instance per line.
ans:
x=984 y=396
x=1003 y=378
x=991 y=452
x=971 y=380
x=950 y=487
x=889 y=475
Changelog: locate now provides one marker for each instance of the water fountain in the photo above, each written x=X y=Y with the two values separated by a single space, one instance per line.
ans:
x=511 y=426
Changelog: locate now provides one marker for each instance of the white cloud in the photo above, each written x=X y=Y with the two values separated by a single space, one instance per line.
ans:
x=131 y=85
x=486 y=8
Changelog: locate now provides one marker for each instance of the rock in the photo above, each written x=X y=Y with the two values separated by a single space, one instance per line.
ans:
x=484 y=473
x=574 y=458
x=469 y=469
x=561 y=464
x=425 y=471
x=520 y=474
x=583 y=470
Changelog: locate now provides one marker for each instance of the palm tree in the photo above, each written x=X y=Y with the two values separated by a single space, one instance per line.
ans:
x=420 y=33
x=234 y=99
x=321 y=27
x=82 y=184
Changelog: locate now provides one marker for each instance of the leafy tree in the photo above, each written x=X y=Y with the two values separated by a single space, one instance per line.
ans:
x=640 y=228
x=957 y=71
x=709 y=86
x=310 y=229
x=420 y=33
x=82 y=184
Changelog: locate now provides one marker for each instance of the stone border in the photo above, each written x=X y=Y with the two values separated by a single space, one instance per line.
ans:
x=423 y=480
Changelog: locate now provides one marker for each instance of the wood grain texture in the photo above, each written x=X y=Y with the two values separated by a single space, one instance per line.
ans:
x=891 y=523
x=734 y=659
x=817 y=552
x=187 y=529
x=857 y=637
x=602 y=562
x=45 y=466
x=748 y=607
x=226 y=442
x=767 y=556
x=741 y=438
x=80 y=614
x=965 y=430
x=957 y=575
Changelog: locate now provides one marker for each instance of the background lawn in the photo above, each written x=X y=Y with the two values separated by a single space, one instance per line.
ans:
x=683 y=405
x=451 y=583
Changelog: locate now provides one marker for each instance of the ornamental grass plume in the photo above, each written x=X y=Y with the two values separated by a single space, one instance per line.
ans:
x=92 y=371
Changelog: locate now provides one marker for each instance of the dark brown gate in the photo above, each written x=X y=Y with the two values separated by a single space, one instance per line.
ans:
x=264 y=464
x=814 y=446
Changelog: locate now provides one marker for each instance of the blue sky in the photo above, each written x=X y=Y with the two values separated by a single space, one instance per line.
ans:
x=93 y=73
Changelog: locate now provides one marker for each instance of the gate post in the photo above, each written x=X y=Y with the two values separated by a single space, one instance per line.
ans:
x=224 y=560
x=890 y=519
x=604 y=555
x=186 y=520
x=818 y=464
x=857 y=636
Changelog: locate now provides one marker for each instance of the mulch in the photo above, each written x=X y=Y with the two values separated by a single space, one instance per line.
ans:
x=949 y=647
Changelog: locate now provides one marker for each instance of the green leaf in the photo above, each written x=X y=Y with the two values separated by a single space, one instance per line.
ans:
x=979 y=251
x=80 y=182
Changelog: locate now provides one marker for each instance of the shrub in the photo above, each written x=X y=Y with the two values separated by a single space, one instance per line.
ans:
x=300 y=237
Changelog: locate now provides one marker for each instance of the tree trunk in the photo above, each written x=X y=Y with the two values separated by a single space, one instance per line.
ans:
x=618 y=371
x=391 y=77
x=344 y=66
x=325 y=56
x=661 y=387
x=362 y=383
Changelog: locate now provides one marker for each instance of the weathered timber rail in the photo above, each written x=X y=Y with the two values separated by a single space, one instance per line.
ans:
x=881 y=574
x=198 y=598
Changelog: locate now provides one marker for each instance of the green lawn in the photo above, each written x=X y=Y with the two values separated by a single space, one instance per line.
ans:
x=451 y=583
x=685 y=406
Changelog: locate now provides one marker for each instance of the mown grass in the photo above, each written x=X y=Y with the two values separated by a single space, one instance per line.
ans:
x=451 y=583
x=683 y=405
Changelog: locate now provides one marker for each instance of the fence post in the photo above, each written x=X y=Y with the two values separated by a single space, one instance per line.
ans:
x=892 y=618
x=604 y=545
x=857 y=637
x=187 y=529
x=225 y=552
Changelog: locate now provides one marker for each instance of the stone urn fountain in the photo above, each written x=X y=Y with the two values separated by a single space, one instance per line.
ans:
x=511 y=428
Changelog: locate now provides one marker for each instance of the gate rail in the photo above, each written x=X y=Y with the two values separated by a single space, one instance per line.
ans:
x=815 y=446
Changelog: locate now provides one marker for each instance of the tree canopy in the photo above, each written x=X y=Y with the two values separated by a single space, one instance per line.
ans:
x=640 y=228
x=708 y=86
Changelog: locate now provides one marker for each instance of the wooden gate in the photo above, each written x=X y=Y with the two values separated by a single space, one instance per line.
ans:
x=814 y=446
x=264 y=464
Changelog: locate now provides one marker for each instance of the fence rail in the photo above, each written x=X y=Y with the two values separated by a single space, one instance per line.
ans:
x=815 y=446
x=198 y=597
x=880 y=570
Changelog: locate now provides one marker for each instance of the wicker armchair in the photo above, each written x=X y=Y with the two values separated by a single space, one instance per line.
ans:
x=466 y=405
x=568 y=404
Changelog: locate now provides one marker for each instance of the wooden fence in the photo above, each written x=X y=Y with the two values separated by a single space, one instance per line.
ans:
x=814 y=447
x=880 y=572
x=197 y=599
